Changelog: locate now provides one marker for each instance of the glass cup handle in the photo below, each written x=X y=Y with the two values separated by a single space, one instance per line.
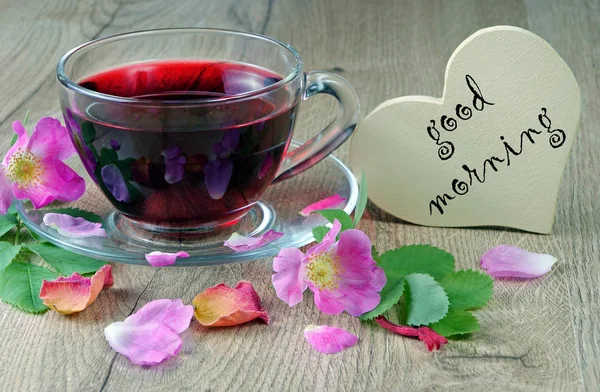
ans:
x=334 y=134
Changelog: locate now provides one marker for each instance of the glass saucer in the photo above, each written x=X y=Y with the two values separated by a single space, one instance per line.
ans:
x=277 y=210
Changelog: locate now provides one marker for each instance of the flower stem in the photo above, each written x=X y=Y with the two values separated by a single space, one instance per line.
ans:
x=432 y=339
x=19 y=227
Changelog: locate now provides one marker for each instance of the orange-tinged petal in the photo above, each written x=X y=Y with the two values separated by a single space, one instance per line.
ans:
x=223 y=306
x=75 y=293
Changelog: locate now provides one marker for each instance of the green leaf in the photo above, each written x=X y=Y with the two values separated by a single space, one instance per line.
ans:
x=420 y=259
x=426 y=301
x=340 y=215
x=88 y=132
x=456 y=322
x=63 y=261
x=26 y=119
x=77 y=213
x=14 y=140
x=7 y=222
x=390 y=295
x=8 y=252
x=362 y=199
x=20 y=285
x=107 y=156
x=12 y=210
x=319 y=232
x=468 y=289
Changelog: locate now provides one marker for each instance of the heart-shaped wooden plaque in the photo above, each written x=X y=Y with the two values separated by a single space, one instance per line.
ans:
x=491 y=152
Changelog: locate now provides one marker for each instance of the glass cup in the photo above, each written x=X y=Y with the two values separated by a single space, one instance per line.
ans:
x=185 y=129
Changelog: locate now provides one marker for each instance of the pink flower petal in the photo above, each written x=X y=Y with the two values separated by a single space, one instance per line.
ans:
x=504 y=261
x=217 y=175
x=174 y=164
x=325 y=204
x=151 y=335
x=73 y=294
x=115 y=182
x=22 y=139
x=51 y=139
x=240 y=243
x=171 y=312
x=289 y=278
x=148 y=344
x=223 y=306
x=163 y=259
x=73 y=227
x=6 y=193
x=58 y=182
x=328 y=241
x=329 y=340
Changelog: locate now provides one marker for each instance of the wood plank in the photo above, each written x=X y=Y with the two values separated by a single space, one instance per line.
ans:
x=542 y=335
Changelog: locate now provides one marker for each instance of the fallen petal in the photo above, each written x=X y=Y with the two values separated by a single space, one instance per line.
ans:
x=148 y=344
x=240 y=243
x=432 y=339
x=223 y=306
x=70 y=226
x=151 y=335
x=163 y=259
x=504 y=261
x=73 y=294
x=329 y=340
x=327 y=203
x=171 y=312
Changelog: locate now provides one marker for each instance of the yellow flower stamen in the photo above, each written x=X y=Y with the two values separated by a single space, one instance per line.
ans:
x=323 y=270
x=25 y=168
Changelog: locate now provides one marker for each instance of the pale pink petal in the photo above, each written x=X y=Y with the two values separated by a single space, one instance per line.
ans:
x=151 y=335
x=58 y=182
x=289 y=276
x=325 y=300
x=171 y=312
x=51 y=139
x=163 y=259
x=325 y=204
x=329 y=340
x=74 y=227
x=223 y=306
x=354 y=250
x=328 y=241
x=240 y=243
x=359 y=301
x=6 y=193
x=146 y=344
x=504 y=261
x=73 y=294
x=22 y=140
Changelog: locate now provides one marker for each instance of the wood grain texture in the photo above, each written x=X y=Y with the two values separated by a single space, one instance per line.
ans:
x=541 y=335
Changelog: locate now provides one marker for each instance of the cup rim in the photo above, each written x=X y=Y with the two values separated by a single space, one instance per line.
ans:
x=71 y=85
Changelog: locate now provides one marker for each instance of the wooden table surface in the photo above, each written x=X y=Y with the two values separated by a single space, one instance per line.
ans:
x=540 y=335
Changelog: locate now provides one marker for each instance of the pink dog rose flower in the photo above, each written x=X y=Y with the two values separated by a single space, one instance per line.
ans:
x=33 y=168
x=341 y=274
